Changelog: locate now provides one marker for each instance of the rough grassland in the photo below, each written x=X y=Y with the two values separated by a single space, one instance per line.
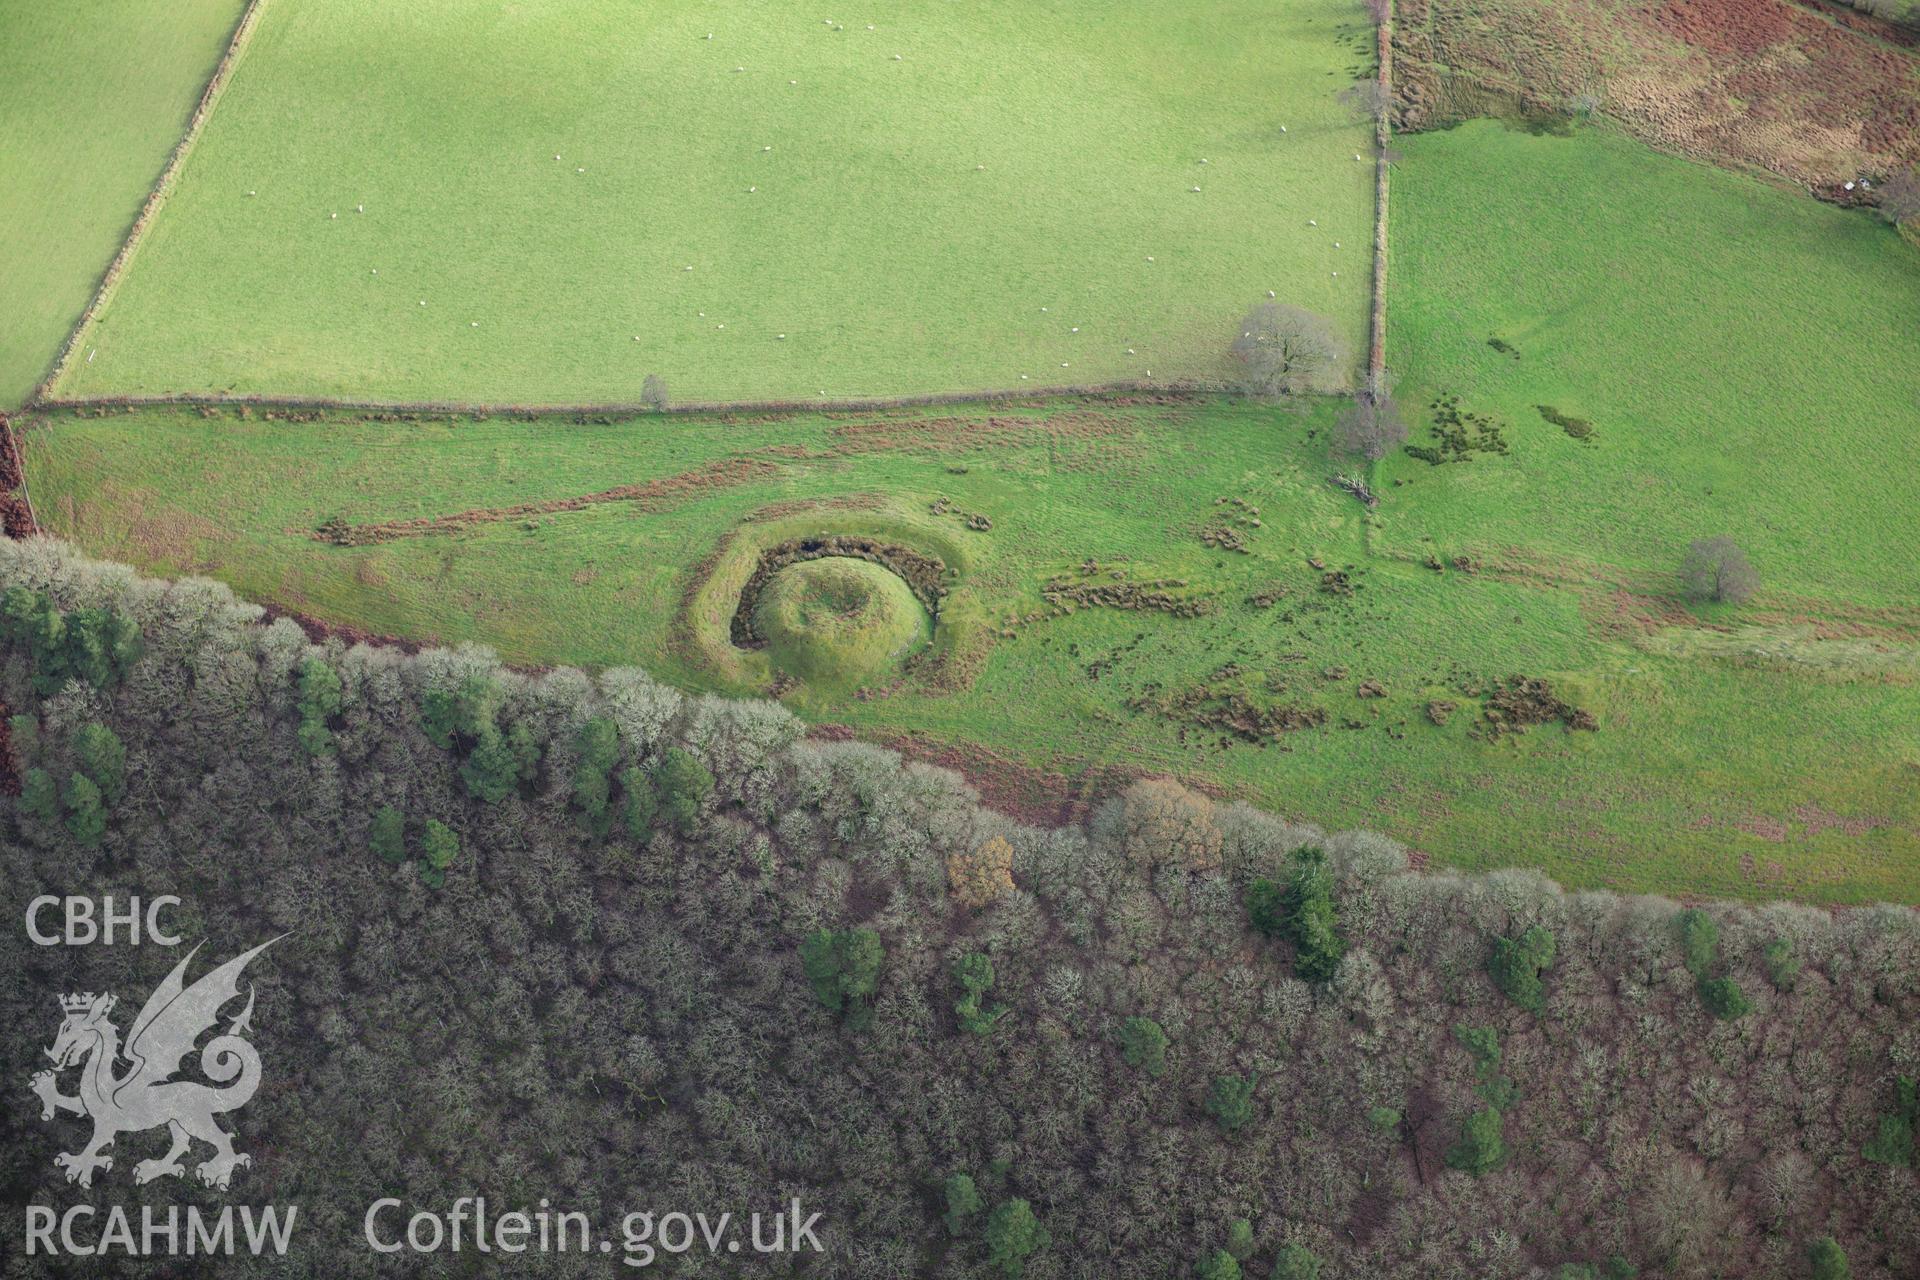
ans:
x=1715 y=769
x=1747 y=359
x=94 y=97
x=869 y=234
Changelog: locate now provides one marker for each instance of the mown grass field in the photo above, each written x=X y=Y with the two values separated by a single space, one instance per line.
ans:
x=959 y=198
x=1713 y=770
x=94 y=98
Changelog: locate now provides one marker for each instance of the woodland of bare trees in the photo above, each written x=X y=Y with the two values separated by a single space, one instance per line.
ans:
x=582 y=937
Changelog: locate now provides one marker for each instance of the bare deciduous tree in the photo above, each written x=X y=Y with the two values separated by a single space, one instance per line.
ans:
x=1900 y=196
x=1372 y=427
x=1379 y=11
x=1903 y=12
x=1717 y=569
x=1284 y=350
x=1165 y=822
x=1367 y=100
x=653 y=392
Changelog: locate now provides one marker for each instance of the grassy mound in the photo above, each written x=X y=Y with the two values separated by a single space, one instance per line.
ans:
x=839 y=621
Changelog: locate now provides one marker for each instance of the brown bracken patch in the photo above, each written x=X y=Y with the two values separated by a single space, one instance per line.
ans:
x=16 y=517
x=1162 y=595
x=1031 y=794
x=1817 y=94
x=1218 y=704
x=1816 y=819
x=1724 y=26
x=721 y=474
x=319 y=631
x=954 y=435
x=1519 y=702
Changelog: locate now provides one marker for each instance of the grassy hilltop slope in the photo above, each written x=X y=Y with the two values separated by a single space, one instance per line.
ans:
x=630 y=541
x=94 y=98
x=940 y=222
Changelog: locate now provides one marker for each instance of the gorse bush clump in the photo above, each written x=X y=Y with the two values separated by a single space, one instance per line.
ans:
x=754 y=984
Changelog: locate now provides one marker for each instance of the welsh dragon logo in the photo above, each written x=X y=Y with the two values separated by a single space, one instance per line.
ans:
x=145 y=1096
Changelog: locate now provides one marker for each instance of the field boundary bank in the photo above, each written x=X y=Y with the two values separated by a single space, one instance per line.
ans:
x=156 y=196
x=1169 y=391
x=1382 y=138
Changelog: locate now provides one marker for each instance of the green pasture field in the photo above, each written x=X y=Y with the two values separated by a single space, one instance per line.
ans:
x=1775 y=758
x=537 y=179
x=1749 y=360
x=94 y=97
